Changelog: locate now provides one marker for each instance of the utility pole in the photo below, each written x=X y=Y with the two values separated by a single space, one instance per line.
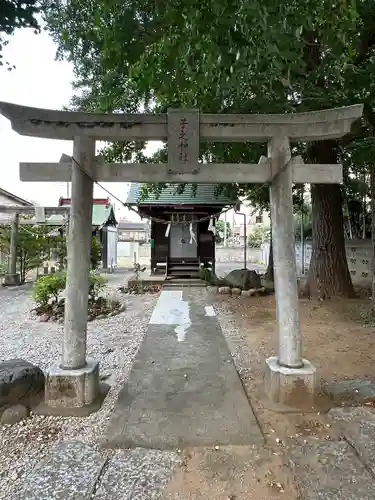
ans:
x=225 y=230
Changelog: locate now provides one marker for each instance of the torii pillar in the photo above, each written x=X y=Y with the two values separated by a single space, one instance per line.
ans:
x=289 y=378
x=72 y=386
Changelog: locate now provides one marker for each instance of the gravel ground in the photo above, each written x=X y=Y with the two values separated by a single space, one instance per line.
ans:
x=114 y=342
x=242 y=355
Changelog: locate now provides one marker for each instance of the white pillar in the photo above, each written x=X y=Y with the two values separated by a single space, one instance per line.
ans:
x=285 y=271
x=13 y=244
x=12 y=278
x=78 y=255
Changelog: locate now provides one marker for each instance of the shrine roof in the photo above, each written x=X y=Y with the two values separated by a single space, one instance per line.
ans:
x=101 y=216
x=206 y=194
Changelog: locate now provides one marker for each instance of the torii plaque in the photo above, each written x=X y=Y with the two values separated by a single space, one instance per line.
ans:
x=182 y=129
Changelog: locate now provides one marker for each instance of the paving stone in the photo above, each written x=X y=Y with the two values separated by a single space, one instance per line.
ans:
x=137 y=474
x=69 y=472
x=330 y=470
x=354 y=390
x=182 y=391
x=358 y=427
x=356 y=414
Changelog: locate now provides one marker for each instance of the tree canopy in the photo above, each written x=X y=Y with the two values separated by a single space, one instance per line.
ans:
x=233 y=56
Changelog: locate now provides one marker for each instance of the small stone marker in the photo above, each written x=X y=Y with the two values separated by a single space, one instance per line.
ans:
x=183 y=140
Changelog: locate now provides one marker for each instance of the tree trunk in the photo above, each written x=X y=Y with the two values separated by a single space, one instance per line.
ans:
x=328 y=273
x=372 y=187
x=269 y=276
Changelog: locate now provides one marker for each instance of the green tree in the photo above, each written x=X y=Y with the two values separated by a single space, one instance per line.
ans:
x=258 y=236
x=220 y=231
x=33 y=247
x=236 y=57
x=96 y=253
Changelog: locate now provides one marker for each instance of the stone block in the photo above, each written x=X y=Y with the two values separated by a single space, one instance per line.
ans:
x=244 y=279
x=66 y=389
x=19 y=381
x=290 y=386
x=14 y=414
x=12 y=280
x=356 y=391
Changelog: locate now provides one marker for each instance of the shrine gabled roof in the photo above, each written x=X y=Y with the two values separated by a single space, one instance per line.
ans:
x=205 y=194
x=101 y=214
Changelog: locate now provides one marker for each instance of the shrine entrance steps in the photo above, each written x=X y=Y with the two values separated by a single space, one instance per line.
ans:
x=183 y=389
x=183 y=268
x=171 y=282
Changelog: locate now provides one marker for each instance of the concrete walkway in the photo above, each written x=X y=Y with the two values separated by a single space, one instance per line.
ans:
x=183 y=389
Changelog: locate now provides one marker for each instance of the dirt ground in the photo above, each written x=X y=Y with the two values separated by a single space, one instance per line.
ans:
x=336 y=342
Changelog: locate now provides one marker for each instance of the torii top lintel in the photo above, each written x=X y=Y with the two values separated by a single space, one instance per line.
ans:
x=65 y=125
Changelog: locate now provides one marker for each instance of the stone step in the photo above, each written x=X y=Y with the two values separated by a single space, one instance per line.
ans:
x=183 y=267
x=187 y=282
x=183 y=273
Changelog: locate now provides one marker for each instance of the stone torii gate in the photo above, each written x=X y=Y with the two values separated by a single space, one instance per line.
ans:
x=72 y=386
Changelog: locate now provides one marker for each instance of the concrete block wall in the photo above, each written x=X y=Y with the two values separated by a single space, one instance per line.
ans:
x=358 y=252
x=236 y=254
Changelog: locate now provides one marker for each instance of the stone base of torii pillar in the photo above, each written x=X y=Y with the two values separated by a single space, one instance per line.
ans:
x=72 y=387
x=294 y=387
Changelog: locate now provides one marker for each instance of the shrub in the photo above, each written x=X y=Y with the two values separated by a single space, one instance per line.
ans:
x=96 y=253
x=259 y=236
x=96 y=285
x=48 y=288
x=206 y=274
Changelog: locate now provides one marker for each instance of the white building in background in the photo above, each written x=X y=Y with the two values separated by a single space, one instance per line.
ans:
x=254 y=219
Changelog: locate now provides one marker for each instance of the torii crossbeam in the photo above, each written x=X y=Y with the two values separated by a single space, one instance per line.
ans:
x=183 y=129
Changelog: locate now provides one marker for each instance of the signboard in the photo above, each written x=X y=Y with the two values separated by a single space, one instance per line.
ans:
x=183 y=140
